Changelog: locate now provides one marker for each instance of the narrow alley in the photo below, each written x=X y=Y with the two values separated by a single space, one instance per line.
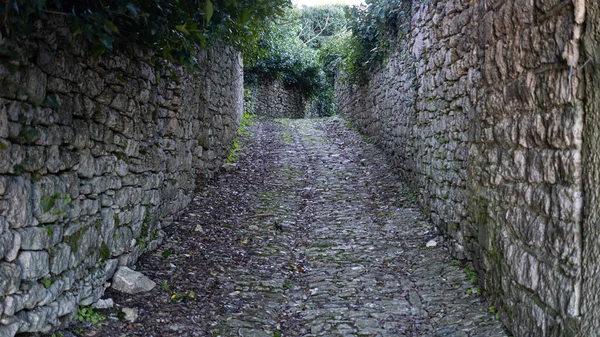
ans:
x=309 y=233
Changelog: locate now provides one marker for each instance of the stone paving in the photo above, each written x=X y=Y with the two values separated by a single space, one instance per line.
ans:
x=310 y=234
x=348 y=250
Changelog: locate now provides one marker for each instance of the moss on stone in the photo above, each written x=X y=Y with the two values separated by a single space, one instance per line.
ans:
x=104 y=251
x=74 y=239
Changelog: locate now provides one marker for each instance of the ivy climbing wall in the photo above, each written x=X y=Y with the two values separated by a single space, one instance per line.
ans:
x=96 y=156
x=482 y=109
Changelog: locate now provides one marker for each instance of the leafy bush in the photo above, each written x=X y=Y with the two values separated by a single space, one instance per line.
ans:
x=320 y=24
x=172 y=28
x=282 y=54
x=290 y=49
x=374 y=27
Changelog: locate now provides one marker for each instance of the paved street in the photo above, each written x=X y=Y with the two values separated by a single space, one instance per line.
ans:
x=314 y=236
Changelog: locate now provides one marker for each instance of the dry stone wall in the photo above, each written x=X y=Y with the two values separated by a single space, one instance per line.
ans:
x=272 y=98
x=96 y=156
x=482 y=109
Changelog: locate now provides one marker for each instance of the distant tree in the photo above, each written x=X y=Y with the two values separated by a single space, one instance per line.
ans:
x=321 y=23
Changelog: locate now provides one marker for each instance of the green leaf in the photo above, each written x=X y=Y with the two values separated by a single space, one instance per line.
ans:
x=182 y=29
x=47 y=202
x=52 y=101
x=107 y=41
x=132 y=9
x=76 y=30
x=29 y=134
x=111 y=26
x=246 y=16
x=166 y=54
x=98 y=49
x=208 y=10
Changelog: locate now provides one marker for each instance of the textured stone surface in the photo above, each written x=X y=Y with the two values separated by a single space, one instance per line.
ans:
x=481 y=109
x=591 y=173
x=131 y=282
x=96 y=156
x=313 y=235
x=272 y=98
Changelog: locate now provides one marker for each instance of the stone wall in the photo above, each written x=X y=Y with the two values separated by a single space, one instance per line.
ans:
x=272 y=98
x=482 y=110
x=96 y=156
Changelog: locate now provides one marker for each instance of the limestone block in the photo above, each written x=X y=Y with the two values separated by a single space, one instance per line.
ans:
x=9 y=330
x=131 y=282
x=60 y=258
x=12 y=250
x=87 y=167
x=38 y=319
x=3 y=119
x=10 y=280
x=34 y=264
x=35 y=238
x=35 y=85
x=18 y=194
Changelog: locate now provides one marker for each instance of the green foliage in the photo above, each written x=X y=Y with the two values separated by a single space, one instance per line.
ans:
x=142 y=242
x=104 y=251
x=247 y=120
x=470 y=274
x=48 y=201
x=318 y=25
x=47 y=283
x=171 y=28
x=281 y=54
x=29 y=135
x=88 y=315
x=373 y=30
x=289 y=49
x=233 y=152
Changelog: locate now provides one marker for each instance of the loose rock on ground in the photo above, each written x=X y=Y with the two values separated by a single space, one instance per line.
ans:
x=310 y=234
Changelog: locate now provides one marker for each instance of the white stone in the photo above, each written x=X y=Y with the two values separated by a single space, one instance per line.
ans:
x=131 y=314
x=131 y=282
x=431 y=243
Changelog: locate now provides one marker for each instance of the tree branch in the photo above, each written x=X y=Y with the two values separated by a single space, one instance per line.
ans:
x=321 y=32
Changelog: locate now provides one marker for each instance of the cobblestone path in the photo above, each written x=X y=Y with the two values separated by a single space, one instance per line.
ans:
x=324 y=241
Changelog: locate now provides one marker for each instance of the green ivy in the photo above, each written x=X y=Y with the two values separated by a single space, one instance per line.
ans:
x=173 y=29
x=375 y=28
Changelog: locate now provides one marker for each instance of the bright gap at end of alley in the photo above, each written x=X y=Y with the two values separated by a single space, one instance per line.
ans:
x=301 y=3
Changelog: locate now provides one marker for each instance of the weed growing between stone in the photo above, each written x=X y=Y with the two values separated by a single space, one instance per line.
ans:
x=247 y=120
x=88 y=315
